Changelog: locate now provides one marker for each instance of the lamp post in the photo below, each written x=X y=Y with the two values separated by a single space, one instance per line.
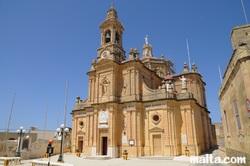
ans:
x=60 y=132
x=20 y=133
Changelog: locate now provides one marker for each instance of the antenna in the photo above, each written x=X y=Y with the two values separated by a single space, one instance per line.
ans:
x=244 y=11
x=189 y=63
x=220 y=75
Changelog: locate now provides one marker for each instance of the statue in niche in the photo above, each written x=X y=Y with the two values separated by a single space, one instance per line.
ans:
x=104 y=87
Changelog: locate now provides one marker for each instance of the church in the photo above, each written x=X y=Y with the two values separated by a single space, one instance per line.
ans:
x=139 y=104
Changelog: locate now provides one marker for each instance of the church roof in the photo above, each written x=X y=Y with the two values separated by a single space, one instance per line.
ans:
x=148 y=57
x=168 y=77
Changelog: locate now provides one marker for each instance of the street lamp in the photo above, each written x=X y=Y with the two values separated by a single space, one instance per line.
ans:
x=20 y=133
x=131 y=142
x=60 y=132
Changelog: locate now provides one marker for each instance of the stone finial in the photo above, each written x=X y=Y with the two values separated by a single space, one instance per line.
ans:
x=77 y=100
x=93 y=64
x=133 y=53
x=162 y=57
x=136 y=50
x=112 y=5
x=194 y=68
x=185 y=67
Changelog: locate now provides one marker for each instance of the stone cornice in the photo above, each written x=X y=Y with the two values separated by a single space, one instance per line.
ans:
x=242 y=53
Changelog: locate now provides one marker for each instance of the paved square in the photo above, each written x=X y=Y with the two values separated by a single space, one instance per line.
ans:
x=80 y=161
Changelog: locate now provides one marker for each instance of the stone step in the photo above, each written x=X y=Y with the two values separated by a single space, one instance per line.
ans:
x=157 y=157
x=98 y=157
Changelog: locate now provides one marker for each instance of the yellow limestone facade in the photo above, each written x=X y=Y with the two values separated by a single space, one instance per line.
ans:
x=234 y=96
x=139 y=104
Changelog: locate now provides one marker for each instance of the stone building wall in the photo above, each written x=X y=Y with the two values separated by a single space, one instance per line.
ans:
x=234 y=95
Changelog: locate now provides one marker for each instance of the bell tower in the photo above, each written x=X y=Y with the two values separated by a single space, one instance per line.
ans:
x=111 y=38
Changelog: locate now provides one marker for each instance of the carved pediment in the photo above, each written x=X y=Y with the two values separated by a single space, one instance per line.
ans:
x=156 y=129
x=103 y=61
x=80 y=133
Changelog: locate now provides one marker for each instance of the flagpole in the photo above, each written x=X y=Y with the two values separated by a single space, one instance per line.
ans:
x=57 y=120
x=65 y=104
x=8 y=128
x=189 y=62
x=244 y=11
x=45 y=120
x=65 y=111
x=220 y=75
x=44 y=127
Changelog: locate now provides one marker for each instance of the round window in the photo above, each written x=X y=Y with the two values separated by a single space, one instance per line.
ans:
x=156 y=118
x=81 y=123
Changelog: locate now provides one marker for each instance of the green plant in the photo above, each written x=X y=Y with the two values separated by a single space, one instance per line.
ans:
x=125 y=152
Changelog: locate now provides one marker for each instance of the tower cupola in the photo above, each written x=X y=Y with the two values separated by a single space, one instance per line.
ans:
x=112 y=13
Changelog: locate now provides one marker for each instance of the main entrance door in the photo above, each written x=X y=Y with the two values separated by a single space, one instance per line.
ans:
x=157 y=145
x=104 y=145
x=80 y=144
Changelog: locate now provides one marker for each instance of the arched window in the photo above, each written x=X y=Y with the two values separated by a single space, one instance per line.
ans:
x=107 y=36
x=117 y=38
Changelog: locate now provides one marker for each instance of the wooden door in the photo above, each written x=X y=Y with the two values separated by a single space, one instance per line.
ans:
x=104 y=145
x=157 y=145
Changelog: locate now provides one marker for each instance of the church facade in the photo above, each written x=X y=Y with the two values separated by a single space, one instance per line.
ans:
x=139 y=104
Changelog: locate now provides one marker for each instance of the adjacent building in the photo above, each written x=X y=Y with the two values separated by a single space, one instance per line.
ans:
x=234 y=96
x=33 y=144
x=139 y=103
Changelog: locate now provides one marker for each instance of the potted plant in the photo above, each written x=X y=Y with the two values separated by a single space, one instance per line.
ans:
x=125 y=155
x=78 y=153
x=46 y=155
x=68 y=147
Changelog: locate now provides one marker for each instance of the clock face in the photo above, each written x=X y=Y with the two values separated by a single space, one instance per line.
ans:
x=104 y=54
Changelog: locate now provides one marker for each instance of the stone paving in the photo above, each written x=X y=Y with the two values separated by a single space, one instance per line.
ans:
x=147 y=161
x=80 y=161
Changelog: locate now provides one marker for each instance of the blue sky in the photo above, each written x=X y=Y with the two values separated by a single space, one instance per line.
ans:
x=43 y=43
